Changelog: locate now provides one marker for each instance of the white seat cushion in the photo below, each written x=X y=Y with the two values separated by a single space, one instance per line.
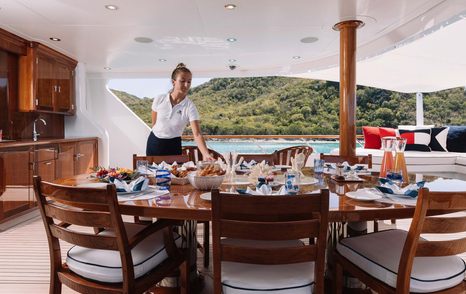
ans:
x=242 y=278
x=379 y=253
x=105 y=265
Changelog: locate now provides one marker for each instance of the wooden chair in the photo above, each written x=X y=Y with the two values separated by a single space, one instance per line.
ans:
x=359 y=159
x=283 y=156
x=124 y=258
x=158 y=159
x=195 y=154
x=423 y=265
x=251 y=233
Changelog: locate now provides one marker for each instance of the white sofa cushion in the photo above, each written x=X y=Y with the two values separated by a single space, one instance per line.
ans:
x=415 y=157
x=105 y=265
x=242 y=278
x=379 y=254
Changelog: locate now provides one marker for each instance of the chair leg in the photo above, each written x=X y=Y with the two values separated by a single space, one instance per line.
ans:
x=184 y=278
x=55 y=284
x=206 y=244
x=338 y=285
x=376 y=226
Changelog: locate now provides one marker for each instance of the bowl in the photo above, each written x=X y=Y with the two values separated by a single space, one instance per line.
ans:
x=205 y=182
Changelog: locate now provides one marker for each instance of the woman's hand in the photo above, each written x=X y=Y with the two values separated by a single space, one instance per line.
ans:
x=207 y=157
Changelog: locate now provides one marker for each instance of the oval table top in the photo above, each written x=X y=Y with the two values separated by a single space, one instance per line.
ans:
x=187 y=204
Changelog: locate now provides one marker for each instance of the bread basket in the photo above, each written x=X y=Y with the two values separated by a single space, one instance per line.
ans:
x=205 y=182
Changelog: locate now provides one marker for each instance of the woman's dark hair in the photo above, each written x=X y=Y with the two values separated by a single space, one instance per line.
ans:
x=180 y=68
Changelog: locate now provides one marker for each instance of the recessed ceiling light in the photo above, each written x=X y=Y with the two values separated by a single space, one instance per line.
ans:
x=55 y=39
x=309 y=40
x=111 y=7
x=231 y=60
x=143 y=40
x=231 y=39
x=230 y=6
x=107 y=68
x=296 y=57
x=162 y=60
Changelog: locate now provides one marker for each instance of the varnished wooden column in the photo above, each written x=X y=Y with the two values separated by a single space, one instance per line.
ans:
x=348 y=85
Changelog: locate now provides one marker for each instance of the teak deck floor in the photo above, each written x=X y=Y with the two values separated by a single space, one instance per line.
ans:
x=24 y=259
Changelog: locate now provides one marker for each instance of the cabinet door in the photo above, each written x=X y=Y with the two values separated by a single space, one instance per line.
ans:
x=86 y=156
x=66 y=160
x=64 y=97
x=16 y=178
x=46 y=170
x=45 y=87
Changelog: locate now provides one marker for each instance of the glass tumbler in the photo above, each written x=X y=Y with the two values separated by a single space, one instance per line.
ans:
x=142 y=166
x=319 y=166
x=292 y=182
x=163 y=179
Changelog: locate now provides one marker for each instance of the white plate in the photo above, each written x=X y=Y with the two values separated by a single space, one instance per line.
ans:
x=364 y=195
x=93 y=185
x=245 y=182
x=206 y=196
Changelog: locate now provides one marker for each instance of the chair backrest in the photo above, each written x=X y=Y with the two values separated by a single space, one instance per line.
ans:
x=158 y=159
x=195 y=155
x=439 y=203
x=359 y=159
x=283 y=156
x=61 y=206
x=270 y=218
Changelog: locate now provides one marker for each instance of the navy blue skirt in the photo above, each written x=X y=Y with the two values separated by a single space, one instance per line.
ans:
x=157 y=146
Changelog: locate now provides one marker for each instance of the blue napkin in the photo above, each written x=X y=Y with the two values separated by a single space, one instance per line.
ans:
x=389 y=187
x=140 y=184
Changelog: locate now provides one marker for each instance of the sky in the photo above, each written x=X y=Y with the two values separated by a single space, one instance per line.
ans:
x=147 y=87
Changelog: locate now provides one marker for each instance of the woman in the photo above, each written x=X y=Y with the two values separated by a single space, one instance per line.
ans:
x=170 y=115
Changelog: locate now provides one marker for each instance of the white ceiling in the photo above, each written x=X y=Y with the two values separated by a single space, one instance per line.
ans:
x=268 y=32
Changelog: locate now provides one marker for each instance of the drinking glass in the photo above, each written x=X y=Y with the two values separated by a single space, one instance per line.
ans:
x=141 y=166
x=292 y=182
x=1 y=134
x=387 y=161
x=163 y=179
x=319 y=166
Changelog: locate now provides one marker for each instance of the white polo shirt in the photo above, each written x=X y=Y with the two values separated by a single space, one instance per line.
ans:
x=171 y=121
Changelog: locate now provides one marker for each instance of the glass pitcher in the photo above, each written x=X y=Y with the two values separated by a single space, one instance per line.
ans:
x=400 y=163
x=388 y=145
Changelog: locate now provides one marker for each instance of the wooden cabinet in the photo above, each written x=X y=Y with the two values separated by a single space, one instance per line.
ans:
x=16 y=173
x=46 y=81
x=45 y=161
x=76 y=158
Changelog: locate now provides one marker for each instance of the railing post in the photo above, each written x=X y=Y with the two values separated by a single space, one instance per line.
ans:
x=348 y=85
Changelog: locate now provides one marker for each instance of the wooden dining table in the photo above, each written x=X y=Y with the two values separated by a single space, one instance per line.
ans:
x=186 y=203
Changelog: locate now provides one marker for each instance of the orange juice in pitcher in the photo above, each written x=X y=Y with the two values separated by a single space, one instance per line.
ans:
x=387 y=161
x=400 y=163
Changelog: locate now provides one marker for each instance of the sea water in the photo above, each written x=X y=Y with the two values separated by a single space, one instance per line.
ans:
x=266 y=146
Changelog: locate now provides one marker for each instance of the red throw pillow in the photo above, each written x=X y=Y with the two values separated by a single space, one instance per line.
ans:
x=371 y=137
x=387 y=132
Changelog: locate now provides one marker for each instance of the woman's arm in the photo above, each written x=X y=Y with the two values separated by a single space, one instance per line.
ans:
x=195 y=126
x=154 y=118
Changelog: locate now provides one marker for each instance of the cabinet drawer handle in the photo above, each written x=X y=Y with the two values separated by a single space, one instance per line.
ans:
x=48 y=163
x=79 y=155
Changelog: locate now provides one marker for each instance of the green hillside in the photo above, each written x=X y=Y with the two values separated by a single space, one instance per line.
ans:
x=279 y=105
